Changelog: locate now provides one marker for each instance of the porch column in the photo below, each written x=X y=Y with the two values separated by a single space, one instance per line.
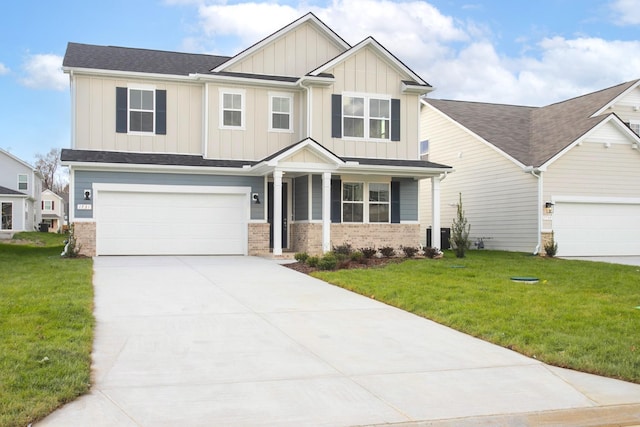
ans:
x=277 y=212
x=435 y=212
x=326 y=212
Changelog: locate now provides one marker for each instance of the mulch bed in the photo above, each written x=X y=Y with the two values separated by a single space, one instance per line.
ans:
x=365 y=263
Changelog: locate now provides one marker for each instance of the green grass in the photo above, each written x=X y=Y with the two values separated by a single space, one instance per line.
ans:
x=581 y=315
x=46 y=327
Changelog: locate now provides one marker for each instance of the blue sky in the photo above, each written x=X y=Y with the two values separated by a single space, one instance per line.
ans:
x=518 y=52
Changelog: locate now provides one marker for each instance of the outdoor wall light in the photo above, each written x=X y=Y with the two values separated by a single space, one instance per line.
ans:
x=256 y=198
x=548 y=207
x=87 y=194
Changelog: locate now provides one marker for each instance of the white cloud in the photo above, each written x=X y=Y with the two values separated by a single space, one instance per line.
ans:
x=458 y=58
x=4 y=69
x=43 y=71
x=626 y=12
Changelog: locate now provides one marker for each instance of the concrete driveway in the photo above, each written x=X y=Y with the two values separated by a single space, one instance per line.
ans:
x=242 y=341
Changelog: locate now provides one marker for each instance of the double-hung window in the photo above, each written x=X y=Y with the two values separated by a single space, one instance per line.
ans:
x=280 y=112
x=232 y=111
x=375 y=208
x=141 y=110
x=366 y=117
x=23 y=182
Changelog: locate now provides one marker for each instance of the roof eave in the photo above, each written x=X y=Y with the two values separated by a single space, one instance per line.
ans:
x=120 y=73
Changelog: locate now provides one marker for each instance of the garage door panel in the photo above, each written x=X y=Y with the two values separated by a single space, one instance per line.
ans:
x=134 y=223
x=597 y=229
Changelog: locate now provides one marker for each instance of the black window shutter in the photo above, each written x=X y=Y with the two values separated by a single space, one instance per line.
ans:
x=121 y=109
x=336 y=200
x=336 y=116
x=395 y=202
x=53 y=206
x=395 y=120
x=161 y=112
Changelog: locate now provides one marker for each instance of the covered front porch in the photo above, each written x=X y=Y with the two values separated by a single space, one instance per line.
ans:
x=316 y=200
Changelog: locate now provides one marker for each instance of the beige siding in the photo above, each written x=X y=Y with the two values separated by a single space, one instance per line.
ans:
x=255 y=142
x=293 y=54
x=499 y=200
x=593 y=170
x=626 y=107
x=367 y=73
x=95 y=124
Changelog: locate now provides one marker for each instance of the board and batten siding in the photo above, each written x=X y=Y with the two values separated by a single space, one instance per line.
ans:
x=499 y=199
x=408 y=199
x=366 y=72
x=301 y=198
x=85 y=180
x=294 y=54
x=254 y=141
x=95 y=121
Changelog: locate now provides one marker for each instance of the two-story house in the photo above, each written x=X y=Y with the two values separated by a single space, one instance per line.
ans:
x=20 y=188
x=53 y=214
x=571 y=169
x=300 y=142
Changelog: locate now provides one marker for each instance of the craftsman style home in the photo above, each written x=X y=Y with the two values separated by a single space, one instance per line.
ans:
x=20 y=188
x=570 y=168
x=300 y=142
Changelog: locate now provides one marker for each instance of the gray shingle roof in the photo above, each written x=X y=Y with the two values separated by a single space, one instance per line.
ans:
x=139 y=60
x=8 y=191
x=91 y=156
x=532 y=135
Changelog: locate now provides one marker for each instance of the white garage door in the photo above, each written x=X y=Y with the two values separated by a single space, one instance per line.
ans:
x=597 y=229
x=170 y=223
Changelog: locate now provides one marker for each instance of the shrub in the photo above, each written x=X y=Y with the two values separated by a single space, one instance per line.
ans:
x=387 y=251
x=328 y=262
x=313 y=261
x=368 y=252
x=357 y=256
x=551 y=247
x=431 y=252
x=409 y=251
x=343 y=249
x=460 y=232
x=301 y=257
x=71 y=247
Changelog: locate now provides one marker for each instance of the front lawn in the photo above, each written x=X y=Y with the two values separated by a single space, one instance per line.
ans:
x=581 y=315
x=46 y=327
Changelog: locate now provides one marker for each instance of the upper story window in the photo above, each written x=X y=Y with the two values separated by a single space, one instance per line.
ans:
x=232 y=109
x=47 y=205
x=280 y=112
x=365 y=117
x=141 y=109
x=23 y=182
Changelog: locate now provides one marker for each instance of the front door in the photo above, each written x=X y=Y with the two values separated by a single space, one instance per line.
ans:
x=285 y=230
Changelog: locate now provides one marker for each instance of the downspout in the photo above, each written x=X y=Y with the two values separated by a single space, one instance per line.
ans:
x=308 y=91
x=533 y=171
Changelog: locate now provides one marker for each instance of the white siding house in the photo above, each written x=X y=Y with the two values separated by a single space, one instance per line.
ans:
x=20 y=188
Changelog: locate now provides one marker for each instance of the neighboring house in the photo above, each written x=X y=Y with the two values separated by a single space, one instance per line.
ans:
x=570 y=168
x=52 y=211
x=300 y=142
x=20 y=188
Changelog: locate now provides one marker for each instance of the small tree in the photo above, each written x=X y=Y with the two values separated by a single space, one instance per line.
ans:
x=460 y=232
x=551 y=247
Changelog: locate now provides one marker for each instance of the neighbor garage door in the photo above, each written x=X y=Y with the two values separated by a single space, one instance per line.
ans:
x=170 y=223
x=597 y=229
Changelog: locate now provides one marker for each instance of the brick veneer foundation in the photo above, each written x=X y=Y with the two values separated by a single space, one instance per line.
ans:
x=375 y=235
x=85 y=234
x=258 y=239
x=306 y=237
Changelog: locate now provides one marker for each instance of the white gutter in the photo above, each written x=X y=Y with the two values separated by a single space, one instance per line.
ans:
x=533 y=171
x=308 y=90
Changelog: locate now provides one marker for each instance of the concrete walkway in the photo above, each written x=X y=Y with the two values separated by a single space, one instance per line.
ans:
x=242 y=341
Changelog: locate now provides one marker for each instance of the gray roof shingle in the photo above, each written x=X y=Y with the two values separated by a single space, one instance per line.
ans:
x=532 y=135
x=91 y=156
x=10 y=192
x=139 y=60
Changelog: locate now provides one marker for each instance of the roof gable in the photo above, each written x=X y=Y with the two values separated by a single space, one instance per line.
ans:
x=17 y=160
x=302 y=33
x=533 y=135
x=371 y=43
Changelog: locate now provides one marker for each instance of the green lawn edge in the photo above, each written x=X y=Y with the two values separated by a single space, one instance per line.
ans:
x=46 y=327
x=581 y=315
